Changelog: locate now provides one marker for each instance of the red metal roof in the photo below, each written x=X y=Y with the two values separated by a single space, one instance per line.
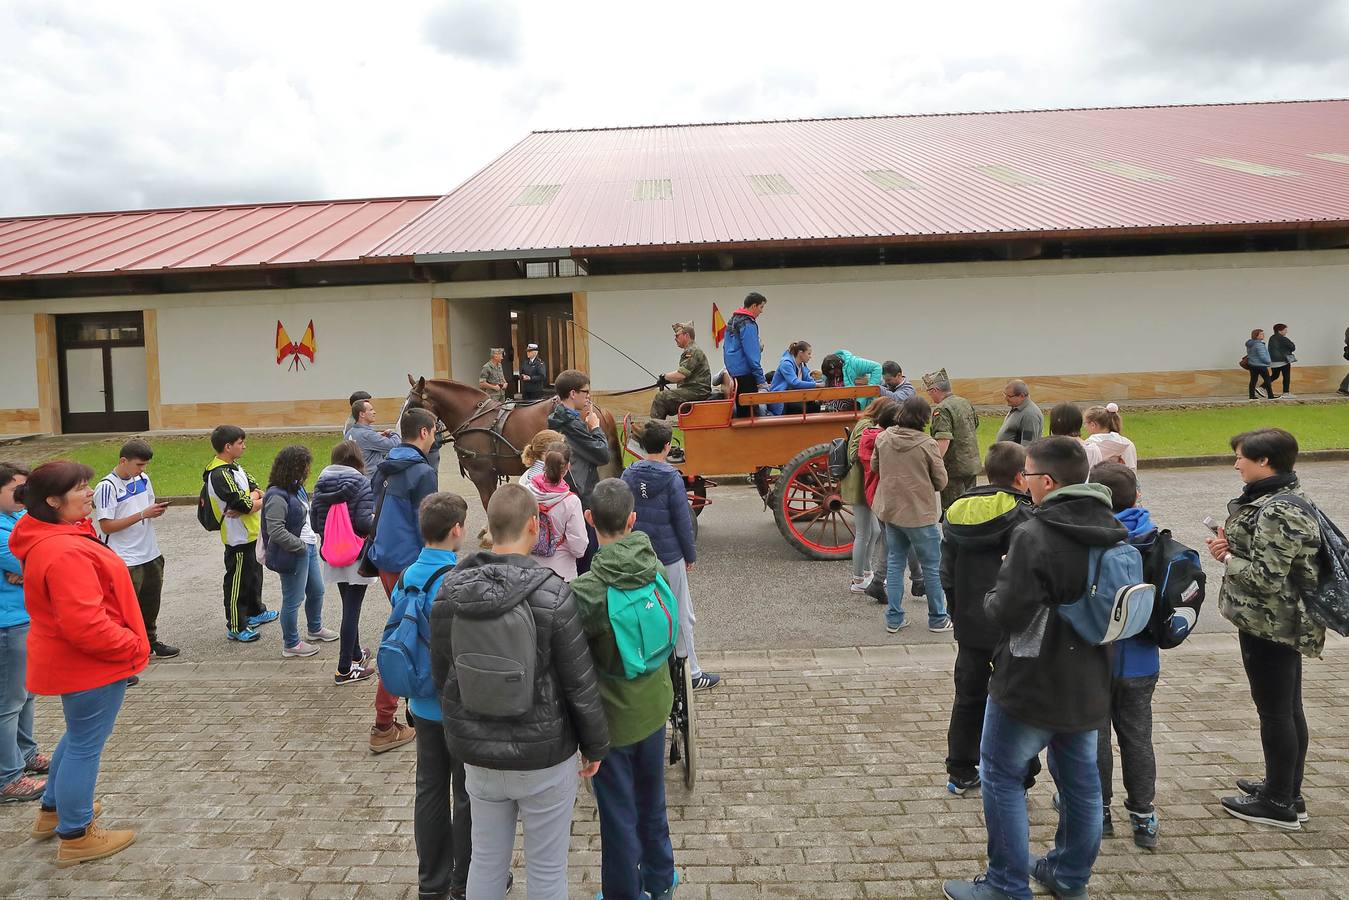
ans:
x=1058 y=171
x=272 y=234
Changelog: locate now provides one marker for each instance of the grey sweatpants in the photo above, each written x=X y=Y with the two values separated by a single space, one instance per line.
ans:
x=1131 y=714
x=677 y=574
x=542 y=799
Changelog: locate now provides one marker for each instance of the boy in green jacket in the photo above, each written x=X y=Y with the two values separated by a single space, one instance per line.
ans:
x=636 y=855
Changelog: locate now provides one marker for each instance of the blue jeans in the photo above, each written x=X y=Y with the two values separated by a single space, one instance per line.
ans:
x=1005 y=756
x=635 y=850
x=17 y=747
x=926 y=541
x=305 y=585
x=90 y=716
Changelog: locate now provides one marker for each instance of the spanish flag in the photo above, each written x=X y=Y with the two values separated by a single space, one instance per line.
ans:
x=718 y=326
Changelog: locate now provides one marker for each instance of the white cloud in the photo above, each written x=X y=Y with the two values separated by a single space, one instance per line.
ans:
x=155 y=103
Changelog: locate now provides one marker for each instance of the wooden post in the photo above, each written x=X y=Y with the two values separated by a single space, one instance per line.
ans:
x=48 y=374
x=150 y=330
x=580 y=314
x=440 y=337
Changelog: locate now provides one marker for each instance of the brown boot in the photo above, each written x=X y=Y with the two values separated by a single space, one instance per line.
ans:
x=45 y=826
x=96 y=843
x=396 y=735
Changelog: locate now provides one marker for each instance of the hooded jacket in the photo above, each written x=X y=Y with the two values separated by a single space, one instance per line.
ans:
x=636 y=708
x=406 y=478
x=789 y=376
x=975 y=537
x=1281 y=349
x=589 y=448
x=1044 y=674
x=855 y=367
x=742 y=350
x=11 y=595
x=86 y=629
x=229 y=487
x=567 y=707
x=662 y=505
x=343 y=484
x=910 y=472
x=1139 y=656
x=1257 y=354
x=563 y=509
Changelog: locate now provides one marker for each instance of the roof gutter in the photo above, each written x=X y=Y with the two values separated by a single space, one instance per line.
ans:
x=488 y=255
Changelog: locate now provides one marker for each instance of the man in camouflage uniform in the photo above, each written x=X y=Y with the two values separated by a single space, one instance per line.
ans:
x=694 y=375
x=955 y=426
x=492 y=379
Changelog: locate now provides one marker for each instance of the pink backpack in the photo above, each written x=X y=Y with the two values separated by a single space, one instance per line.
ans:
x=341 y=546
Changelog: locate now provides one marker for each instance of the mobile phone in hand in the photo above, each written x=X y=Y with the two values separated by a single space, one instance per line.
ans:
x=1211 y=524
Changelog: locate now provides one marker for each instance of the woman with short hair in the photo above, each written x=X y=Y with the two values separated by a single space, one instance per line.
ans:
x=86 y=639
x=1281 y=354
x=1268 y=547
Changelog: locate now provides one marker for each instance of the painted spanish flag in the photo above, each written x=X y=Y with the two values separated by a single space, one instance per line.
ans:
x=718 y=326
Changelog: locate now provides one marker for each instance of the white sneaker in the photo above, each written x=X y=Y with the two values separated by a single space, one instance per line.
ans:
x=1287 y=396
x=323 y=634
x=300 y=649
x=860 y=585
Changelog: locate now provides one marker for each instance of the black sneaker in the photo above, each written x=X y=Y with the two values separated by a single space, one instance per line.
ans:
x=1145 y=829
x=1262 y=811
x=133 y=681
x=959 y=786
x=161 y=650
x=876 y=591
x=1040 y=872
x=1252 y=788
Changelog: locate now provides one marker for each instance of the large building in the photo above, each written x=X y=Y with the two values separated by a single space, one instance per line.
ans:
x=1097 y=253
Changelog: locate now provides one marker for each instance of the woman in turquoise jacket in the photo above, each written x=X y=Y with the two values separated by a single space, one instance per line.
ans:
x=853 y=368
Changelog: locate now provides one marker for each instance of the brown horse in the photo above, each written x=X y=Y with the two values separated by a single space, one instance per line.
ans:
x=489 y=435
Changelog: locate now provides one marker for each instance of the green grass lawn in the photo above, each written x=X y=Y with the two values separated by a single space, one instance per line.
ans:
x=179 y=461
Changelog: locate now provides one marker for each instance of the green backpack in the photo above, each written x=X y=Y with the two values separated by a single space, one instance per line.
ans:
x=645 y=621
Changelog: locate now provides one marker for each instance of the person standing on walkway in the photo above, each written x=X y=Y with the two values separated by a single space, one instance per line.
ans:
x=1260 y=366
x=516 y=725
x=86 y=640
x=1344 y=382
x=375 y=445
x=1281 y=354
x=663 y=514
x=742 y=350
x=1065 y=420
x=1104 y=433
x=442 y=822
x=400 y=485
x=1268 y=548
x=955 y=427
x=574 y=417
x=562 y=539
x=236 y=503
x=124 y=513
x=355 y=397
x=492 y=378
x=636 y=856
x=692 y=378
x=21 y=765
x=1049 y=688
x=533 y=375
x=910 y=472
x=291 y=548
x=344 y=482
x=857 y=488
x=976 y=535
x=534 y=452
x=1024 y=423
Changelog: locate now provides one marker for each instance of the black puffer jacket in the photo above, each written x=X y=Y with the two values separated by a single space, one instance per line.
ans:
x=567 y=707
x=343 y=484
x=1044 y=674
x=976 y=533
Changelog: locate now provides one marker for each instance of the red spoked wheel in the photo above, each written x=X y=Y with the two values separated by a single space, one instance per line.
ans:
x=810 y=511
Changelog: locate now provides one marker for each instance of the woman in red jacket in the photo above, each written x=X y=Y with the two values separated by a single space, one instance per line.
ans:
x=86 y=639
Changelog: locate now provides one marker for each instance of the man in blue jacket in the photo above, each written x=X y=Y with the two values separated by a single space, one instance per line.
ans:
x=400 y=485
x=743 y=350
x=662 y=505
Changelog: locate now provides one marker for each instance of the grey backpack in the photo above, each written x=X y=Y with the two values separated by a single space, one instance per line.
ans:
x=495 y=661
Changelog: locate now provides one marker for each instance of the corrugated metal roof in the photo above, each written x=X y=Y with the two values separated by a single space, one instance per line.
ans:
x=981 y=174
x=274 y=234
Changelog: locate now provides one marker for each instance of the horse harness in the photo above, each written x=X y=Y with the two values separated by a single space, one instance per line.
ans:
x=486 y=406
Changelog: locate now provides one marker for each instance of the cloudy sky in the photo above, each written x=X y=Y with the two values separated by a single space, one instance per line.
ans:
x=136 y=104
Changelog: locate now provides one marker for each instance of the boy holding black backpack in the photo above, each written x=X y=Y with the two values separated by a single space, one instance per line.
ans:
x=623 y=596
x=1136 y=663
x=441 y=818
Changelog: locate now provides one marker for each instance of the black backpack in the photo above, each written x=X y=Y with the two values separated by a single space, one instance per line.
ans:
x=205 y=511
x=1328 y=602
x=839 y=464
x=1175 y=570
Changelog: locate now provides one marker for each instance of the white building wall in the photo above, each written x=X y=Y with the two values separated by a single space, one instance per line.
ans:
x=18 y=362
x=998 y=319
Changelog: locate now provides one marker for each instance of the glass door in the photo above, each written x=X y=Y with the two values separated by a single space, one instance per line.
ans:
x=103 y=376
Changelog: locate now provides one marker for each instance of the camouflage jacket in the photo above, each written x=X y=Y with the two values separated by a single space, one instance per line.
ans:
x=1272 y=567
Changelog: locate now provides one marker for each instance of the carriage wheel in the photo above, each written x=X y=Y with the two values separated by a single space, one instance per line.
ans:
x=811 y=513
x=683 y=740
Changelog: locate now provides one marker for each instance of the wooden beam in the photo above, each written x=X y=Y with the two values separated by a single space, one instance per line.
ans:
x=150 y=330
x=48 y=374
x=440 y=337
x=580 y=314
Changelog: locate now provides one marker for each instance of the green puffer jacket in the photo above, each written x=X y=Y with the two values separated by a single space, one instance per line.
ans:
x=1272 y=567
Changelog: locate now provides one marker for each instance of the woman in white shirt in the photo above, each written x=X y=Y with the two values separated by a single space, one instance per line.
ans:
x=1103 y=430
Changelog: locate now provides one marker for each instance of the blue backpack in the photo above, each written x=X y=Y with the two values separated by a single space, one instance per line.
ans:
x=404 y=656
x=1117 y=603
